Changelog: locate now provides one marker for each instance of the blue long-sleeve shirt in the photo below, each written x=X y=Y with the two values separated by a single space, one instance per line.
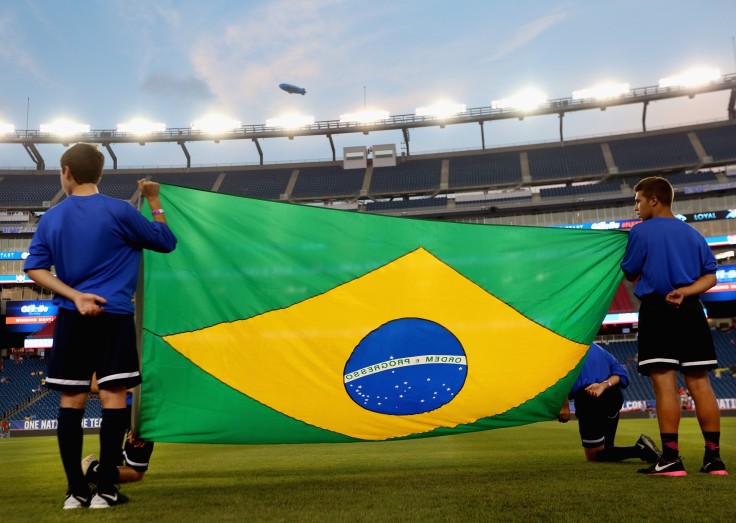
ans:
x=95 y=243
x=668 y=254
x=599 y=365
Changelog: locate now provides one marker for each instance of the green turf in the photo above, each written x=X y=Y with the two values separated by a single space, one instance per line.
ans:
x=536 y=472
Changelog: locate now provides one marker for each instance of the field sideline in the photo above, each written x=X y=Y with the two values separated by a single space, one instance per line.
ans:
x=533 y=472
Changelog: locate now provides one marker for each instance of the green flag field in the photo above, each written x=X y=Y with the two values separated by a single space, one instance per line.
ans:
x=525 y=473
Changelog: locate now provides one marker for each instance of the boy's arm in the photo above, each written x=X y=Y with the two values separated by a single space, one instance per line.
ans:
x=86 y=303
x=699 y=286
x=596 y=389
x=150 y=191
x=564 y=415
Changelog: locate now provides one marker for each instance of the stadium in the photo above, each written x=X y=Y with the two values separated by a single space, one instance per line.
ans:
x=577 y=183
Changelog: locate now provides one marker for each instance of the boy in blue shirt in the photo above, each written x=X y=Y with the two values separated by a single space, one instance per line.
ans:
x=674 y=265
x=598 y=400
x=95 y=244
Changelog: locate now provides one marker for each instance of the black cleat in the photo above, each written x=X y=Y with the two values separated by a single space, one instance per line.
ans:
x=665 y=468
x=108 y=499
x=648 y=450
x=76 y=501
x=715 y=467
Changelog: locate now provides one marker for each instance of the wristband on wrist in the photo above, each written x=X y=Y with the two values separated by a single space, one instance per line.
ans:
x=607 y=383
x=157 y=211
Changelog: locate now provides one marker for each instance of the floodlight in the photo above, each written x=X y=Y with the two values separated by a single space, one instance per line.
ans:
x=141 y=127
x=6 y=128
x=601 y=92
x=527 y=100
x=364 y=117
x=290 y=121
x=691 y=78
x=215 y=124
x=441 y=110
x=64 y=128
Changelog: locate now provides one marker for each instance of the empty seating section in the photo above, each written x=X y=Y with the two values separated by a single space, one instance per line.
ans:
x=682 y=179
x=407 y=204
x=266 y=184
x=566 y=161
x=621 y=301
x=484 y=170
x=197 y=180
x=494 y=201
x=581 y=190
x=410 y=176
x=47 y=407
x=719 y=142
x=28 y=190
x=120 y=186
x=691 y=178
x=329 y=181
x=653 y=152
x=25 y=384
x=724 y=382
x=640 y=388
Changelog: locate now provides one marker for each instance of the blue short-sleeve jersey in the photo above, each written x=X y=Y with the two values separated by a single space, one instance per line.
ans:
x=95 y=243
x=599 y=365
x=667 y=253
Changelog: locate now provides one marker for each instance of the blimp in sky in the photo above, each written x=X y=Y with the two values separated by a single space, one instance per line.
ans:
x=293 y=89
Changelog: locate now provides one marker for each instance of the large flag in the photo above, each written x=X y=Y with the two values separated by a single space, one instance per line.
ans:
x=280 y=323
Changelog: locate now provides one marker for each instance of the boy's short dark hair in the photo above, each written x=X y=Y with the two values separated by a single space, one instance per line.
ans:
x=85 y=161
x=656 y=186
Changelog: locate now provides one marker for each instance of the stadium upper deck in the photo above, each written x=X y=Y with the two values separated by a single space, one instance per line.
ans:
x=501 y=181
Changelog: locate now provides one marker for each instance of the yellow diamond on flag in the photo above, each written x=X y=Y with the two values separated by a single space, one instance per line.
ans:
x=334 y=362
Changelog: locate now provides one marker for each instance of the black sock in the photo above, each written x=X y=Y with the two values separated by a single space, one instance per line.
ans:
x=92 y=473
x=712 y=445
x=617 y=453
x=670 y=447
x=70 y=436
x=112 y=431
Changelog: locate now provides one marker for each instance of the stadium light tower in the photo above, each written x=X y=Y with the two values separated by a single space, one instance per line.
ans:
x=519 y=106
x=290 y=121
x=64 y=128
x=441 y=110
x=601 y=92
x=524 y=101
x=141 y=127
x=692 y=78
x=215 y=124
x=364 y=117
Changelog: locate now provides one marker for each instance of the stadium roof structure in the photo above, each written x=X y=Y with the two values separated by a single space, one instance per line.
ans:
x=404 y=122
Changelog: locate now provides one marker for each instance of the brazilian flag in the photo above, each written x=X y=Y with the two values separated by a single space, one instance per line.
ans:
x=280 y=323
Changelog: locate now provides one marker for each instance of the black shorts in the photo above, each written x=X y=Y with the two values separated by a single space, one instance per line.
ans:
x=83 y=345
x=670 y=338
x=137 y=455
x=598 y=417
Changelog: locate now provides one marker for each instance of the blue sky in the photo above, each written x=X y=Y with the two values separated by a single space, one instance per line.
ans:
x=103 y=62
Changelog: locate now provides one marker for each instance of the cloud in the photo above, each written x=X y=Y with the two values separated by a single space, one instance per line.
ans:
x=527 y=33
x=12 y=49
x=302 y=43
x=170 y=15
x=183 y=88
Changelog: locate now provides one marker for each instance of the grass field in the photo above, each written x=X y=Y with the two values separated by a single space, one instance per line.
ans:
x=535 y=472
